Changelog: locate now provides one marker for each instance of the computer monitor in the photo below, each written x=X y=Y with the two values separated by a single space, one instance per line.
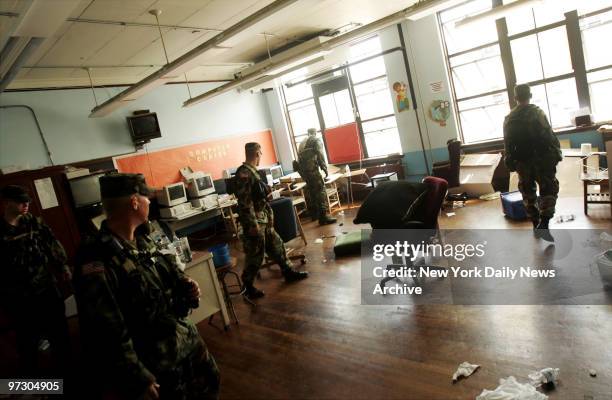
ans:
x=276 y=171
x=200 y=185
x=86 y=190
x=171 y=195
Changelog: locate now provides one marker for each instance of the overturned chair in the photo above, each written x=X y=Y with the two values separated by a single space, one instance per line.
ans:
x=401 y=205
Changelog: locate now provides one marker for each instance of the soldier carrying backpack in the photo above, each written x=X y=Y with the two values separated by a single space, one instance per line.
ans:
x=533 y=151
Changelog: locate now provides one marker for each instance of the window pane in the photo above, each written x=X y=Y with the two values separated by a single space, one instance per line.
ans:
x=526 y=57
x=337 y=108
x=562 y=99
x=554 y=51
x=585 y=7
x=600 y=87
x=544 y=13
x=368 y=69
x=303 y=115
x=469 y=36
x=382 y=137
x=374 y=98
x=596 y=34
x=297 y=92
x=365 y=48
x=483 y=118
x=476 y=72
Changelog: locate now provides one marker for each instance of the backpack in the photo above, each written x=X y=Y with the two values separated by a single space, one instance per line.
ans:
x=526 y=141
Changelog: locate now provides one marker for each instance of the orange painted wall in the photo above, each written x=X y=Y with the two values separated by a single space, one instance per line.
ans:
x=161 y=167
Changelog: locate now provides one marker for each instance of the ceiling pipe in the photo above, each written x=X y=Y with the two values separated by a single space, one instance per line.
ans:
x=181 y=64
x=141 y=24
x=20 y=61
x=364 y=30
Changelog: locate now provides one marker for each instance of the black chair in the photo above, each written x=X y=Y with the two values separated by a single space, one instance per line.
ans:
x=449 y=169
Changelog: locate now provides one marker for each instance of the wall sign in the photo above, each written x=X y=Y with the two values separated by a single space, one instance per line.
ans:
x=439 y=111
x=400 y=95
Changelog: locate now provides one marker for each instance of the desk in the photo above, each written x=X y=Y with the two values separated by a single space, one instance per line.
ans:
x=590 y=178
x=202 y=270
x=179 y=223
x=349 y=176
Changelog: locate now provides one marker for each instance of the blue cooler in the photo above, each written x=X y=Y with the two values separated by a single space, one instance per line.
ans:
x=512 y=203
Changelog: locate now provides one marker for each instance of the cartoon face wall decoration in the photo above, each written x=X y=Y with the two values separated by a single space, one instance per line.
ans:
x=439 y=111
x=400 y=95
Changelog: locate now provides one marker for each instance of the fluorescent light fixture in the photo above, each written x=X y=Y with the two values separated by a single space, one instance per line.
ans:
x=431 y=7
x=298 y=63
x=497 y=12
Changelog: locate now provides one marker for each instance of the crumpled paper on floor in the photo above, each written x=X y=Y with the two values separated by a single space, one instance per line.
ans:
x=465 y=369
x=544 y=376
x=510 y=389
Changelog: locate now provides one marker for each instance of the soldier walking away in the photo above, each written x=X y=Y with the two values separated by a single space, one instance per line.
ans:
x=533 y=151
x=257 y=220
x=29 y=290
x=310 y=159
x=133 y=303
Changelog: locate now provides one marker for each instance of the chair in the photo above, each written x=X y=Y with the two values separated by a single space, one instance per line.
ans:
x=597 y=177
x=298 y=198
x=331 y=192
x=424 y=218
x=449 y=170
x=286 y=225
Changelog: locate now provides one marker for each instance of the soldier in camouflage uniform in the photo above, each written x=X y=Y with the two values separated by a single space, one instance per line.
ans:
x=28 y=286
x=133 y=302
x=310 y=156
x=533 y=151
x=257 y=220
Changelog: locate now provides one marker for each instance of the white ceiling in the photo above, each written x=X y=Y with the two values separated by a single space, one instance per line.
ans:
x=120 y=54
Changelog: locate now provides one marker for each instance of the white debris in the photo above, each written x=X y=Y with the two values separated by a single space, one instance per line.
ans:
x=545 y=376
x=593 y=373
x=510 y=389
x=465 y=369
x=318 y=240
x=450 y=214
x=605 y=236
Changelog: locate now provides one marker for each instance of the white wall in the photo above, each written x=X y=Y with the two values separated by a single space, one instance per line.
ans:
x=73 y=136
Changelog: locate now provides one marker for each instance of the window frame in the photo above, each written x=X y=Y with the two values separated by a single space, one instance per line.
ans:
x=571 y=23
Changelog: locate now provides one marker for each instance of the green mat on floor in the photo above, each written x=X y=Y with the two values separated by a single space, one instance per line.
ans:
x=348 y=244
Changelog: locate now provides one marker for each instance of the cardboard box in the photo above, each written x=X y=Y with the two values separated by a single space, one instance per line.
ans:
x=476 y=174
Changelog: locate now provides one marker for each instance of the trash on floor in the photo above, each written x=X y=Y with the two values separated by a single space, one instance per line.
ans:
x=546 y=376
x=318 y=240
x=593 y=373
x=450 y=214
x=458 y=204
x=341 y=212
x=565 y=218
x=605 y=236
x=490 y=196
x=465 y=369
x=341 y=223
x=510 y=389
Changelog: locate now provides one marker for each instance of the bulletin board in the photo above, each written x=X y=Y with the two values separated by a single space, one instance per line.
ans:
x=343 y=143
x=161 y=167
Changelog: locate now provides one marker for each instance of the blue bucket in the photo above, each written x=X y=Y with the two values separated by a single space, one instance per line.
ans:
x=221 y=254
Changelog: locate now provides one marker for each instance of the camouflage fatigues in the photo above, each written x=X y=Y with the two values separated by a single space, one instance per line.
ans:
x=311 y=158
x=132 y=312
x=254 y=210
x=29 y=291
x=533 y=152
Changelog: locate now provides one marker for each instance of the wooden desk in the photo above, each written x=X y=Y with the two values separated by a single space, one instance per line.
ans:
x=202 y=270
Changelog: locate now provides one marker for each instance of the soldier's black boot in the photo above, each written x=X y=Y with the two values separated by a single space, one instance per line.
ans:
x=292 y=275
x=327 y=219
x=252 y=293
x=542 y=230
x=535 y=221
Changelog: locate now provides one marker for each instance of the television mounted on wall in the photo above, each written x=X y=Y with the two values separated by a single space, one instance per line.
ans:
x=144 y=127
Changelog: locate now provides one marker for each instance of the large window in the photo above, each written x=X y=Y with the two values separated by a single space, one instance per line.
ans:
x=367 y=92
x=534 y=46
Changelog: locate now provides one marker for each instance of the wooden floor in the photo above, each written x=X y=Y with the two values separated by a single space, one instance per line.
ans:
x=313 y=339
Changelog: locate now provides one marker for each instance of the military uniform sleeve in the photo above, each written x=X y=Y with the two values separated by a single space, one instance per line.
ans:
x=99 y=311
x=549 y=136
x=246 y=211
x=508 y=149
x=58 y=254
x=321 y=156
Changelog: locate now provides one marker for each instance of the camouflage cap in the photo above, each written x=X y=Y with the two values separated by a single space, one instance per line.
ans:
x=522 y=92
x=15 y=193
x=120 y=185
x=312 y=131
